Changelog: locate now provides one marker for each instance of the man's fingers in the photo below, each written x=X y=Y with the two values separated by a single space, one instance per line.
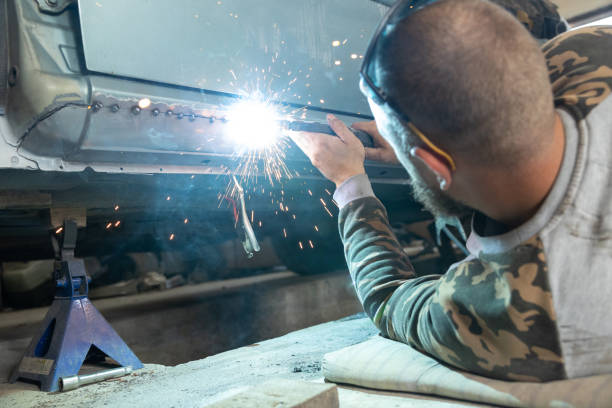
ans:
x=368 y=127
x=309 y=142
x=371 y=129
x=343 y=132
x=373 y=153
x=332 y=156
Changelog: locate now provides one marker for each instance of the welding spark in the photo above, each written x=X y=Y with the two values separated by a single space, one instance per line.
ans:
x=116 y=208
x=117 y=224
x=186 y=220
x=311 y=244
x=316 y=228
x=109 y=225
x=253 y=124
x=171 y=237
x=300 y=244
x=284 y=232
x=59 y=230
x=144 y=103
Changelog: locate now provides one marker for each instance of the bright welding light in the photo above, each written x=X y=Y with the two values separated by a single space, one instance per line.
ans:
x=253 y=124
x=144 y=103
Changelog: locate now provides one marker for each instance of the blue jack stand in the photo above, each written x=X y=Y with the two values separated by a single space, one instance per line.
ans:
x=73 y=330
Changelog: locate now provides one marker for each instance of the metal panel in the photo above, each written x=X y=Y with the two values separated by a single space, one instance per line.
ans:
x=306 y=52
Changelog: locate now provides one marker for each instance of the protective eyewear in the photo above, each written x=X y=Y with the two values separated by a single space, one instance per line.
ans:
x=398 y=12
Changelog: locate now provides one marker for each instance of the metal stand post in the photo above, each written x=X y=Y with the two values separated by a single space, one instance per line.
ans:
x=72 y=328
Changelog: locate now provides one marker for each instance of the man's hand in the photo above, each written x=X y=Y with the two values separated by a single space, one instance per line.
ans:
x=338 y=158
x=382 y=150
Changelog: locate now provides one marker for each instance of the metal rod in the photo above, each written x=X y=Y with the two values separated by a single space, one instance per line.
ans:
x=249 y=242
x=303 y=126
x=74 y=382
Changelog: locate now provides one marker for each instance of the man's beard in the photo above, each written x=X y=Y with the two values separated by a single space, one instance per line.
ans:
x=434 y=200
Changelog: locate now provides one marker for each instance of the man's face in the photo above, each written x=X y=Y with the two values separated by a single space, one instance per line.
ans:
x=426 y=189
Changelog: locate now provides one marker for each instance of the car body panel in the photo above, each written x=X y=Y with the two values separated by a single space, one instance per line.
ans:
x=294 y=51
x=72 y=142
x=62 y=116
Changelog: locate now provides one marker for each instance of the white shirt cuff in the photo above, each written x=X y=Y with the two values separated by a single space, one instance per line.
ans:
x=353 y=188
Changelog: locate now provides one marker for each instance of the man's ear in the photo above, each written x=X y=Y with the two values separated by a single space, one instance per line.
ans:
x=436 y=165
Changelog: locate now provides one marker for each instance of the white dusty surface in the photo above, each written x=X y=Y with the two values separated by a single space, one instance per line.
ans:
x=192 y=322
x=199 y=383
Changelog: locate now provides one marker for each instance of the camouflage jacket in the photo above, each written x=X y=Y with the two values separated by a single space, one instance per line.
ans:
x=540 y=17
x=493 y=313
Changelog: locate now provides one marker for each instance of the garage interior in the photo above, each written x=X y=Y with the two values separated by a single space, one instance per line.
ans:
x=224 y=302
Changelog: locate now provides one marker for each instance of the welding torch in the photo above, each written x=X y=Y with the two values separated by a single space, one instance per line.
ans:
x=249 y=240
x=316 y=127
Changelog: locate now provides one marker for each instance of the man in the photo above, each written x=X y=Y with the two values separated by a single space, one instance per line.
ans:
x=462 y=96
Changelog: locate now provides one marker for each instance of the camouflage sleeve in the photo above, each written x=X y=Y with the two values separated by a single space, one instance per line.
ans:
x=580 y=68
x=491 y=316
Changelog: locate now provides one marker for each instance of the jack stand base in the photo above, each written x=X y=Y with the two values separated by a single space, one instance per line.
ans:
x=68 y=332
x=72 y=328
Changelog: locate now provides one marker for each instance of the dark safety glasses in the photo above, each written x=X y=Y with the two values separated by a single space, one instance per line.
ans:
x=399 y=11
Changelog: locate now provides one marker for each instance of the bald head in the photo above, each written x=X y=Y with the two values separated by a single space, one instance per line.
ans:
x=471 y=78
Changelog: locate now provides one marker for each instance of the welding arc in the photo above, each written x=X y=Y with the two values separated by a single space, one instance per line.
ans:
x=301 y=126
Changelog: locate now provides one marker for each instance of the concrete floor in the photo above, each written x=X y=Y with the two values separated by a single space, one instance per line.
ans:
x=195 y=384
x=186 y=324
x=192 y=322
